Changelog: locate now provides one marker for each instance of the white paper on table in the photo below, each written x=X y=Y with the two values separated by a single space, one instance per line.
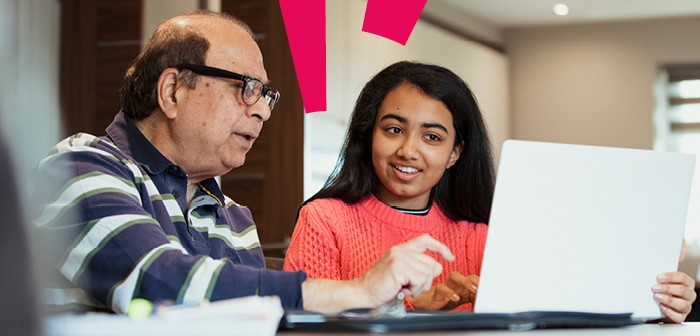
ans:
x=253 y=315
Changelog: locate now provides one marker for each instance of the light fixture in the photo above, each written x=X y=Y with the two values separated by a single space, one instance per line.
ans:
x=560 y=9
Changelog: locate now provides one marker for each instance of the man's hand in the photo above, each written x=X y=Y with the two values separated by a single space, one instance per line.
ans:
x=404 y=267
x=675 y=293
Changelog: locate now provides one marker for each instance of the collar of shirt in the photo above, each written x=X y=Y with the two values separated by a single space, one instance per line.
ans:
x=129 y=139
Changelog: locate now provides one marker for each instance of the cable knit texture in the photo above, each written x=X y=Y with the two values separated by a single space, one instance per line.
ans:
x=335 y=240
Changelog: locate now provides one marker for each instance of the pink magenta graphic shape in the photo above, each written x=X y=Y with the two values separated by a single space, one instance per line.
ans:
x=393 y=19
x=305 y=22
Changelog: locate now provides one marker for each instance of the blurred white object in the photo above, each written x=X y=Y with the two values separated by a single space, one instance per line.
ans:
x=253 y=315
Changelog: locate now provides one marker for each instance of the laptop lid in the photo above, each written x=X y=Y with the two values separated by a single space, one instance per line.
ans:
x=583 y=228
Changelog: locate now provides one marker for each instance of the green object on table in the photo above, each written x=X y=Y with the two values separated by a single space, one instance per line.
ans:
x=140 y=309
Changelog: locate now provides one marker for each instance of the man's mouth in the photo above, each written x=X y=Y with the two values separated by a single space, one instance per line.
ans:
x=248 y=136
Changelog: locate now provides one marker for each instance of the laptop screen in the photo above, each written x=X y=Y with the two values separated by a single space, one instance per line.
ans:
x=583 y=228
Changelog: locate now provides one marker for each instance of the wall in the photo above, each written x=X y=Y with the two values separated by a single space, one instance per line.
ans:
x=456 y=19
x=593 y=84
x=157 y=11
x=353 y=57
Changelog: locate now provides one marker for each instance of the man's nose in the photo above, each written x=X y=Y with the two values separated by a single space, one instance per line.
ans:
x=260 y=110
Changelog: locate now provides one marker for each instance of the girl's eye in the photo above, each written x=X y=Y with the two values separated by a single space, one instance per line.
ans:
x=433 y=137
x=394 y=130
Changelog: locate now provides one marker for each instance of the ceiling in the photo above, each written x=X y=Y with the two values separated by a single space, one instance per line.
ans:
x=520 y=13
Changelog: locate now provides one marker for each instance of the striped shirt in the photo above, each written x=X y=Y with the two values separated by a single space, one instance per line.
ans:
x=113 y=218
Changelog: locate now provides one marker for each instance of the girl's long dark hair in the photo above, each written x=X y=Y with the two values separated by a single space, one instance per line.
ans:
x=465 y=191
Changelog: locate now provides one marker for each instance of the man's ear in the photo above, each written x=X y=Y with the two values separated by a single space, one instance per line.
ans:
x=165 y=89
x=454 y=156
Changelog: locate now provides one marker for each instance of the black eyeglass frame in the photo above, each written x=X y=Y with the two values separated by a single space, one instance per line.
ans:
x=271 y=95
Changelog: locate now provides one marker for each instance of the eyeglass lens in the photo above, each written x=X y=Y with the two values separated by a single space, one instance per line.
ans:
x=254 y=90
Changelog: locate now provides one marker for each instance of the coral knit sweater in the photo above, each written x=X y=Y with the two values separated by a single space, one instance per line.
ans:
x=336 y=240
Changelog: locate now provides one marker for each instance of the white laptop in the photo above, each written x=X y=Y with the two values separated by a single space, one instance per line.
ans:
x=583 y=228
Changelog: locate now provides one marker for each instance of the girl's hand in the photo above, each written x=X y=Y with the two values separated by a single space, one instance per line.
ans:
x=455 y=291
x=675 y=293
x=464 y=286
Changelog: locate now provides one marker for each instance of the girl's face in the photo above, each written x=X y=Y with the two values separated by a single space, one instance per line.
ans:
x=412 y=145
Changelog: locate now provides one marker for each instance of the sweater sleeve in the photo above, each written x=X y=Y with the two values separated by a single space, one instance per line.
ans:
x=313 y=247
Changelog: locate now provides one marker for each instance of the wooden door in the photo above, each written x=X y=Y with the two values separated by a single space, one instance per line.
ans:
x=99 y=39
x=270 y=183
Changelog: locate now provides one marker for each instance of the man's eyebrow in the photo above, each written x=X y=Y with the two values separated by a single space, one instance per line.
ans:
x=405 y=121
x=267 y=82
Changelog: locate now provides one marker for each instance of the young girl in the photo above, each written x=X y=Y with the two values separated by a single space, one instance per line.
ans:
x=417 y=159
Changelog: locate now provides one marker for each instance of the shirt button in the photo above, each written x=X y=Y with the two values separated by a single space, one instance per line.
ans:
x=176 y=193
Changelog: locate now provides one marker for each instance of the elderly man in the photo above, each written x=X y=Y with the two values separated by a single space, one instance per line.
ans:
x=139 y=214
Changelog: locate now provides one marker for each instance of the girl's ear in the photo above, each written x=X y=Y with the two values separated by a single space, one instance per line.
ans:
x=454 y=156
x=166 y=88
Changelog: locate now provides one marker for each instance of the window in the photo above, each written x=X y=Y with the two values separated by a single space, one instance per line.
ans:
x=677 y=122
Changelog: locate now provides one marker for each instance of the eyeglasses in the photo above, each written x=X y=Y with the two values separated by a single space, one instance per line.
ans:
x=252 y=89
